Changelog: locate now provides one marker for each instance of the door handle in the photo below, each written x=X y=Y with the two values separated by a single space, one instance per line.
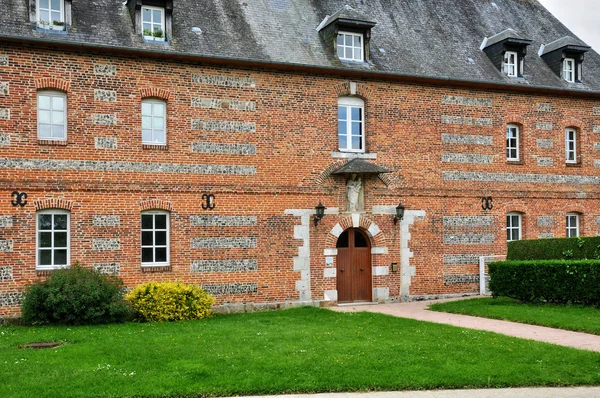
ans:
x=362 y=269
x=342 y=270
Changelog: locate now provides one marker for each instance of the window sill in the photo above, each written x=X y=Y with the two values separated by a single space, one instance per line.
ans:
x=156 y=268
x=515 y=162
x=53 y=142
x=578 y=164
x=53 y=30
x=46 y=272
x=352 y=155
x=155 y=147
x=162 y=41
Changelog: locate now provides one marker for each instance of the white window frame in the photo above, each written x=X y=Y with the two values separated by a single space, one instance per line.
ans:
x=510 y=227
x=569 y=74
x=351 y=103
x=52 y=231
x=344 y=47
x=154 y=246
x=153 y=23
x=152 y=102
x=572 y=224
x=52 y=95
x=508 y=65
x=50 y=22
x=510 y=139
x=571 y=151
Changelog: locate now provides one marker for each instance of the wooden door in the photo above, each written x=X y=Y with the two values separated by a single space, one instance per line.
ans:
x=354 y=267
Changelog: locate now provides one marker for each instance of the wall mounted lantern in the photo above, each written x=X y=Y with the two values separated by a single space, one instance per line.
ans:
x=320 y=213
x=399 y=213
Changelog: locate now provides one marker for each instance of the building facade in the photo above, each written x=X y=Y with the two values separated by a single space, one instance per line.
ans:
x=170 y=143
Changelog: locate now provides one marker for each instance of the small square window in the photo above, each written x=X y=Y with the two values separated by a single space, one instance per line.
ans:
x=153 y=23
x=350 y=46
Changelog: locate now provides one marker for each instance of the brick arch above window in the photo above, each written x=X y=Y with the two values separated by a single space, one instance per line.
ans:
x=353 y=89
x=153 y=92
x=53 y=203
x=514 y=119
x=52 y=83
x=156 y=204
x=571 y=123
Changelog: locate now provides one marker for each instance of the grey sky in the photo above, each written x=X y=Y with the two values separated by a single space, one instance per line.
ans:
x=582 y=17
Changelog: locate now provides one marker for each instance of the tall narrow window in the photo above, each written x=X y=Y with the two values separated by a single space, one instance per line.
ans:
x=513 y=226
x=155 y=238
x=153 y=23
x=572 y=225
x=512 y=142
x=510 y=64
x=569 y=70
x=351 y=135
x=49 y=11
x=154 y=131
x=350 y=46
x=53 y=238
x=571 y=145
x=52 y=111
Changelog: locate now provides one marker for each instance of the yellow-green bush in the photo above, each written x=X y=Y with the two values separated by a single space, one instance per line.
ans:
x=170 y=301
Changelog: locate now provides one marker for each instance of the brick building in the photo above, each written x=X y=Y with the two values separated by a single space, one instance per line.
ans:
x=163 y=140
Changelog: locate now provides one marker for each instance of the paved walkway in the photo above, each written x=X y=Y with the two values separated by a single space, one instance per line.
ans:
x=418 y=310
x=576 y=392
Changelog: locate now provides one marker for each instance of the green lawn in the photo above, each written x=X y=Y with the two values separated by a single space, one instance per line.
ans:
x=299 y=350
x=569 y=317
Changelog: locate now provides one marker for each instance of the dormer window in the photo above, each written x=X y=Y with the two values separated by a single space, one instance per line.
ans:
x=153 y=23
x=350 y=46
x=52 y=15
x=152 y=19
x=565 y=57
x=507 y=52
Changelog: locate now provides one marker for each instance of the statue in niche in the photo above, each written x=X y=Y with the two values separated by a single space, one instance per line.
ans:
x=354 y=191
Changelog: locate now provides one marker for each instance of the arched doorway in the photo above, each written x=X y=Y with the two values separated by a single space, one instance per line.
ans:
x=354 y=266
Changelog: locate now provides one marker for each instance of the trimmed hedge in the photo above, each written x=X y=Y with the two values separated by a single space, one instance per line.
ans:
x=582 y=248
x=553 y=281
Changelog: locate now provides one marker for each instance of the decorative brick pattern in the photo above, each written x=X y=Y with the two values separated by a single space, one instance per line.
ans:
x=462 y=259
x=6 y=246
x=106 y=221
x=467 y=158
x=545 y=107
x=543 y=126
x=53 y=203
x=6 y=221
x=3 y=60
x=155 y=92
x=105 y=70
x=108 y=268
x=544 y=143
x=213 y=103
x=468 y=221
x=227 y=149
x=222 y=221
x=545 y=235
x=545 y=221
x=229 y=81
x=91 y=165
x=105 y=119
x=105 y=95
x=544 y=162
x=105 y=143
x=10 y=299
x=466 y=101
x=468 y=239
x=4 y=88
x=224 y=125
x=467 y=139
x=223 y=265
x=4 y=140
x=468 y=121
x=4 y=114
x=111 y=244
x=6 y=273
x=522 y=178
x=463 y=279
x=52 y=83
x=231 y=288
x=224 y=243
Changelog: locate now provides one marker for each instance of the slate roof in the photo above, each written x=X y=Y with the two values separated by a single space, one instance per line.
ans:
x=504 y=35
x=566 y=41
x=348 y=13
x=360 y=166
x=426 y=38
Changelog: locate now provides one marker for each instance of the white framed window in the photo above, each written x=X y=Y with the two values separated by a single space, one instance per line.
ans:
x=571 y=146
x=351 y=137
x=569 y=70
x=52 y=115
x=48 y=11
x=52 y=239
x=513 y=227
x=154 y=129
x=510 y=64
x=512 y=142
x=153 y=23
x=350 y=46
x=155 y=238
x=572 y=225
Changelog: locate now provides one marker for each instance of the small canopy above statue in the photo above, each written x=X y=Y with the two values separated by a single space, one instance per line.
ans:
x=360 y=166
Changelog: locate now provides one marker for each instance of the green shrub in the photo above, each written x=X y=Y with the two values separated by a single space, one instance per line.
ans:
x=169 y=301
x=553 y=281
x=75 y=296
x=582 y=248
